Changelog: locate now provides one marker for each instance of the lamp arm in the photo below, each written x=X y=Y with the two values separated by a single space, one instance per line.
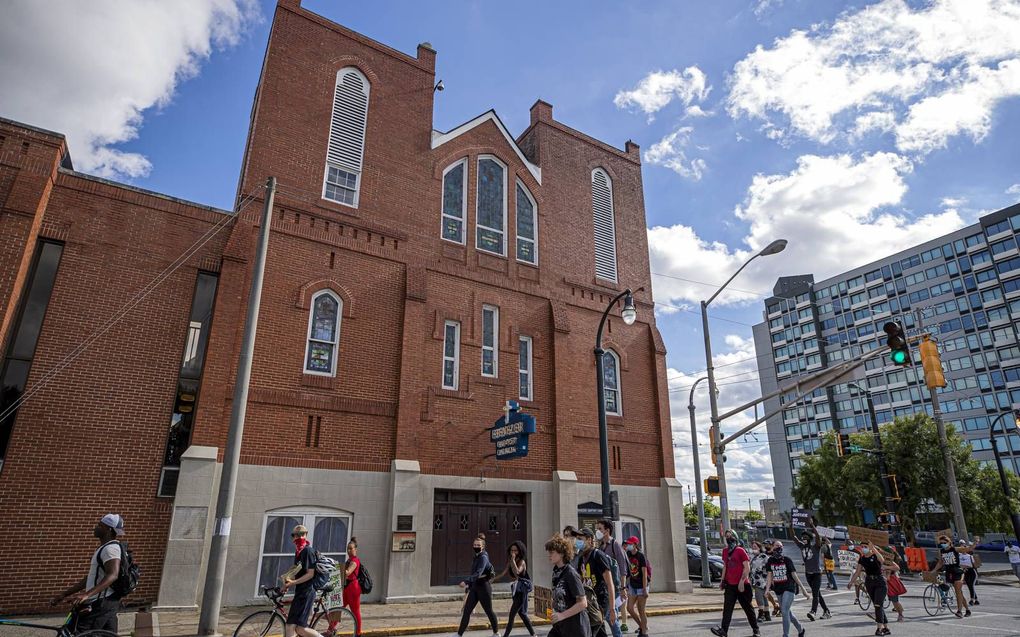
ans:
x=729 y=280
x=605 y=315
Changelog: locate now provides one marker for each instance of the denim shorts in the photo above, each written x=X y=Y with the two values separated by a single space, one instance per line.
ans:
x=636 y=592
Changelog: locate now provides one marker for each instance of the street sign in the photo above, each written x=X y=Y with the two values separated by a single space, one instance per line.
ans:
x=510 y=433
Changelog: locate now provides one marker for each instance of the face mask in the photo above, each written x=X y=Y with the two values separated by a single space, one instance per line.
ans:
x=477 y=549
x=777 y=551
x=599 y=535
x=731 y=542
x=944 y=545
x=632 y=549
x=579 y=544
x=865 y=551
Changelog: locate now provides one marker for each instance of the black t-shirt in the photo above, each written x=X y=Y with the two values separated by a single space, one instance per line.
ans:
x=782 y=570
x=637 y=563
x=872 y=567
x=566 y=590
x=306 y=559
x=592 y=570
x=950 y=560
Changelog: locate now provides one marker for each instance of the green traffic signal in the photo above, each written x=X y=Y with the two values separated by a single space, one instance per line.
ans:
x=899 y=357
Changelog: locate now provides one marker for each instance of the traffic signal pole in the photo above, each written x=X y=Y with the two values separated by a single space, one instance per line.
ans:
x=883 y=470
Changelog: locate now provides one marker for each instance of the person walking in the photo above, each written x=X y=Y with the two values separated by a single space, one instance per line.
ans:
x=970 y=573
x=520 y=586
x=569 y=604
x=612 y=548
x=596 y=573
x=810 y=545
x=782 y=578
x=829 y=564
x=736 y=585
x=894 y=585
x=759 y=578
x=870 y=563
x=479 y=587
x=637 y=585
x=352 y=587
x=95 y=605
x=304 y=593
x=1012 y=550
x=953 y=572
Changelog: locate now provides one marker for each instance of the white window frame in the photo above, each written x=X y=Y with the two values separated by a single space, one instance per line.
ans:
x=629 y=519
x=619 y=383
x=455 y=359
x=494 y=348
x=534 y=223
x=308 y=333
x=529 y=369
x=463 y=203
x=357 y=173
x=308 y=515
x=478 y=199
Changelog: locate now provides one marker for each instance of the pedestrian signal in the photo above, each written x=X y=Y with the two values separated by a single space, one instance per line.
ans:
x=712 y=485
x=896 y=341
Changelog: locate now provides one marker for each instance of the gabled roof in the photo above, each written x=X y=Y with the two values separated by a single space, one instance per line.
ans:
x=439 y=138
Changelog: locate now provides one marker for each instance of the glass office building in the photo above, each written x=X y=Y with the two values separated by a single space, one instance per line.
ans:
x=963 y=288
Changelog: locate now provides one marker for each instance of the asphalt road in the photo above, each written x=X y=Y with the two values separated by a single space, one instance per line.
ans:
x=998 y=614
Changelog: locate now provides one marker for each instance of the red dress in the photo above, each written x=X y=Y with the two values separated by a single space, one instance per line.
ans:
x=352 y=592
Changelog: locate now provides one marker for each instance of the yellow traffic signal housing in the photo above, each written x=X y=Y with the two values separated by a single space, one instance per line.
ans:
x=932 y=363
x=842 y=444
x=712 y=485
x=713 y=438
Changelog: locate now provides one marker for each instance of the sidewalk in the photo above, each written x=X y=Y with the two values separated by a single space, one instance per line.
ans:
x=384 y=620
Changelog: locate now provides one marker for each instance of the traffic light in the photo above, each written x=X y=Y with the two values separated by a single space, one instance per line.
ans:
x=714 y=437
x=894 y=485
x=712 y=485
x=932 y=363
x=896 y=341
x=843 y=444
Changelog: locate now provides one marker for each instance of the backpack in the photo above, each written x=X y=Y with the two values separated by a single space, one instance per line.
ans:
x=364 y=579
x=615 y=567
x=127 y=576
x=648 y=565
x=325 y=567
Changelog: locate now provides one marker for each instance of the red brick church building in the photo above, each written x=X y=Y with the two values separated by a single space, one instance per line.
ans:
x=416 y=280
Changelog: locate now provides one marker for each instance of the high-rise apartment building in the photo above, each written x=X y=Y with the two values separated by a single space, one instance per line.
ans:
x=963 y=287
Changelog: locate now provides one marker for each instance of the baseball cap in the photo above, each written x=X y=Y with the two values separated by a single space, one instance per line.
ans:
x=633 y=540
x=586 y=532
x=113 y=521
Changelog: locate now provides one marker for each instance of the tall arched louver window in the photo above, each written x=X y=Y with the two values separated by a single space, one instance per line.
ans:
x=346 y=138
x=605 y=225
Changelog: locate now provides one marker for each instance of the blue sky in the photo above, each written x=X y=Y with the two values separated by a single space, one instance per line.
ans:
x=850 y=129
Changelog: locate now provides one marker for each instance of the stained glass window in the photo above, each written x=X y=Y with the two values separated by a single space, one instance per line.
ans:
x=491 y=205
x=526 y=222
x=454 y=201
x=611 y=382
x=323 y=334
x=451 y=355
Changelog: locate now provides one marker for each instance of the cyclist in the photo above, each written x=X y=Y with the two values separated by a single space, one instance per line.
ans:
x=304 y=593
x=953 y=572
x=92 y=597
x=871 y=563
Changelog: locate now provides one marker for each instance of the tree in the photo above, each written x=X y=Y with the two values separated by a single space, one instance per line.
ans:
x=754 y=516
x=691 y=512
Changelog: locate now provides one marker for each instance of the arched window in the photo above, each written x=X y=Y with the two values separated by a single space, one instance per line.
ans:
x=346 y=137
x=611 y=383
x=323 y=334
x=455 y=201
x=329 y=531
x=605 y=225
x=491 y=206
x=527 y=226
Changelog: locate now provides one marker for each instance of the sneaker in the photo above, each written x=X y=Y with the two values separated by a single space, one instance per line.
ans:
x=827 y=615
x=976 y=603
x=767 y=617
x=967 y=614
x=885 y=631
x=718 y=631
x=801 y=632
x=623 y=628
x=811 y=616
x=857 y=602
x=958 y=614
x=878 y=632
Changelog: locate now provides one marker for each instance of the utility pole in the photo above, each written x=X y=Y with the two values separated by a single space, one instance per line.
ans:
x=212 y=595
x=890 y=501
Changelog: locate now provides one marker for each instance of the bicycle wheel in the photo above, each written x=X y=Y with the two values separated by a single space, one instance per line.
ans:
x=932 y=600
x=335 y=622
x=865 y=601
x=263 y=623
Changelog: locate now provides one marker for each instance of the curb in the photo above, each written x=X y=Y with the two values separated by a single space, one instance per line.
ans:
x=452 y=628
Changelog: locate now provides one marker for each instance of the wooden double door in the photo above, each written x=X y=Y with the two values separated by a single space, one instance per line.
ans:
x=460 y=516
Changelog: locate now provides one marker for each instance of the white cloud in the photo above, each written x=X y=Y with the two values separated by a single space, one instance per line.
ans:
x=90 y=70
x=762 y=7
x=670 y=152
x=953 y=202
x=834 y=211
x=1013 y=190
x=697 y=111
x=928 y=73
x=657 y=89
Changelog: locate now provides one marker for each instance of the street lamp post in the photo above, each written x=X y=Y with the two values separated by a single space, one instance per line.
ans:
x=775 y=247
x=1013 y=515
x=629 y=315
x=706 y=574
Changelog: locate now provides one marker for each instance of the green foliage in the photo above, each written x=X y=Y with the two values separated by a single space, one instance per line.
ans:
x=911 y=444
x=691 y=512
x=754 y=516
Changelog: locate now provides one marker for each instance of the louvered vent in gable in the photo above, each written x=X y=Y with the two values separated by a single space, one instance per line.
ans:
x=346 y=137
x=605 y=225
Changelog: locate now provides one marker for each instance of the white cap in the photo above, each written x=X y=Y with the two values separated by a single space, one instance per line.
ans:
x=114 y=521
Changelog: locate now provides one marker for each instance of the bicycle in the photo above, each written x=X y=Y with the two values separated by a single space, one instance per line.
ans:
x=329 y=622
x=939 y=596
x=64 y=630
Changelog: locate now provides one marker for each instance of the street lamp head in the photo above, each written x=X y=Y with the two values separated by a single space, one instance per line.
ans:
x=775 y=247
x=629 y=314
x=1016 y=419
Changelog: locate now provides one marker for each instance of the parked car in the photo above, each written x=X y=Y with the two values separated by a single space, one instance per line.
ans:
x=839 y=534
x=715 y=564
x=924 y=538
